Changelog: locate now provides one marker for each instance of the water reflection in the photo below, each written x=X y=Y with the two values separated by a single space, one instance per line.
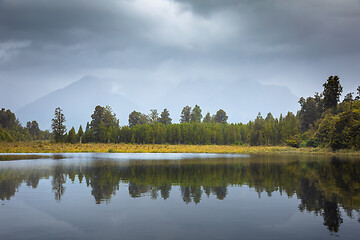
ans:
x=324 y=187
x=58 y=181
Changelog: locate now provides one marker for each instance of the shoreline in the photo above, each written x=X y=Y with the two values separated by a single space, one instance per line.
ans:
x=51 y=147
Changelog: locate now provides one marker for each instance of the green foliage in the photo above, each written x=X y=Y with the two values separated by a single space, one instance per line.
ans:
x=326 y=128
x=346 y=127
x=88 y=135
x=104 y=114
x=11 y=129
x=139 y=118
x=102 y=119
x=102 y=133
x=310 y=139
x=313 y=142
x=154 y=116
x=5 y=136
x=165 y=117
x=310 y=112
x=290 y=126
x=207 y=118
x=256 y=134
x=196 y=115
x=269 y=131
x=293 y=141
x=8 y=119
x=348 y=97
x=134 y=118
x=33 y=128
x=332 y=92
x=71 y=137
x=80 y=134
x=321 y=121
x=185 y=115
x=190 y=133
x=58 y=126
x=221 y=117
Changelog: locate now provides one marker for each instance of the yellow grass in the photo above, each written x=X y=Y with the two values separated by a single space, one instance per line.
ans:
x=51 y=147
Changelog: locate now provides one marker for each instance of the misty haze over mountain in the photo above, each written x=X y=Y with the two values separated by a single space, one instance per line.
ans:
x=241 y=101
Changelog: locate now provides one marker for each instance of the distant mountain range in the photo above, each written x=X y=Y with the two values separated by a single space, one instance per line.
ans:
x=78 y=101
x=242 y=101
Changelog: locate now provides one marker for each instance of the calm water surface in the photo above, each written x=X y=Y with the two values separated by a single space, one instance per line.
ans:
x=178 y=196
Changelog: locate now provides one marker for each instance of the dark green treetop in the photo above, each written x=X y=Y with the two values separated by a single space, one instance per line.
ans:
x=207 y=118
x=136 y=118
x=103 y=117
x=358 y=93
x=308 y=113
x=154 y=116
x=33 y=128
x=104 y=114
x=72 y=138
x=269 y=117
x=58 y=127
x=196 y=115
x=185 y=115
x=165 y=117
x=349 y=97
x=220 y=116
x=80 y=134
x=332 y=91
x=8 y=119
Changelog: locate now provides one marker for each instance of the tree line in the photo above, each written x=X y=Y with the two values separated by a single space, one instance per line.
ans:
x=321 y=121
x=11 y=129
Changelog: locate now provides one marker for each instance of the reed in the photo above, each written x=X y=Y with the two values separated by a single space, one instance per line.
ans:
x=52 y=147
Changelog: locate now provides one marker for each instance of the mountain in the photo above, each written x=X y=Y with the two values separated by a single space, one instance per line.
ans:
x=241 y=100
x=78 y=101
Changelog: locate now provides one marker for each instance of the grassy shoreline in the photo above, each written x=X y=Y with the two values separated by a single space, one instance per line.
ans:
x=51 y=147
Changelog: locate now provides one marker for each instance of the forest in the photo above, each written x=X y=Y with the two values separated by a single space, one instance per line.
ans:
x=322 y=121
x=12 y=130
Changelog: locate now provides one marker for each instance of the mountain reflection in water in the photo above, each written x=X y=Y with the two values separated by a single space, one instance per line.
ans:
x=323 y=186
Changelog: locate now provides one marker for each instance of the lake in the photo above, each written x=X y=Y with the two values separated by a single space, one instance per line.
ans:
x=178 y=196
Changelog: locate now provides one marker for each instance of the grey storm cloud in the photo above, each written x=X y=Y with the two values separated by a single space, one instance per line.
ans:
x=296 y=44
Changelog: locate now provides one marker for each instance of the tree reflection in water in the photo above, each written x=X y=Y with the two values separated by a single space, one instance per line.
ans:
x=58 y=181
x=323 y=187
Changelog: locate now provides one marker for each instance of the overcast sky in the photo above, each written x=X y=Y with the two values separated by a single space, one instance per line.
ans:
x=155 y=44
